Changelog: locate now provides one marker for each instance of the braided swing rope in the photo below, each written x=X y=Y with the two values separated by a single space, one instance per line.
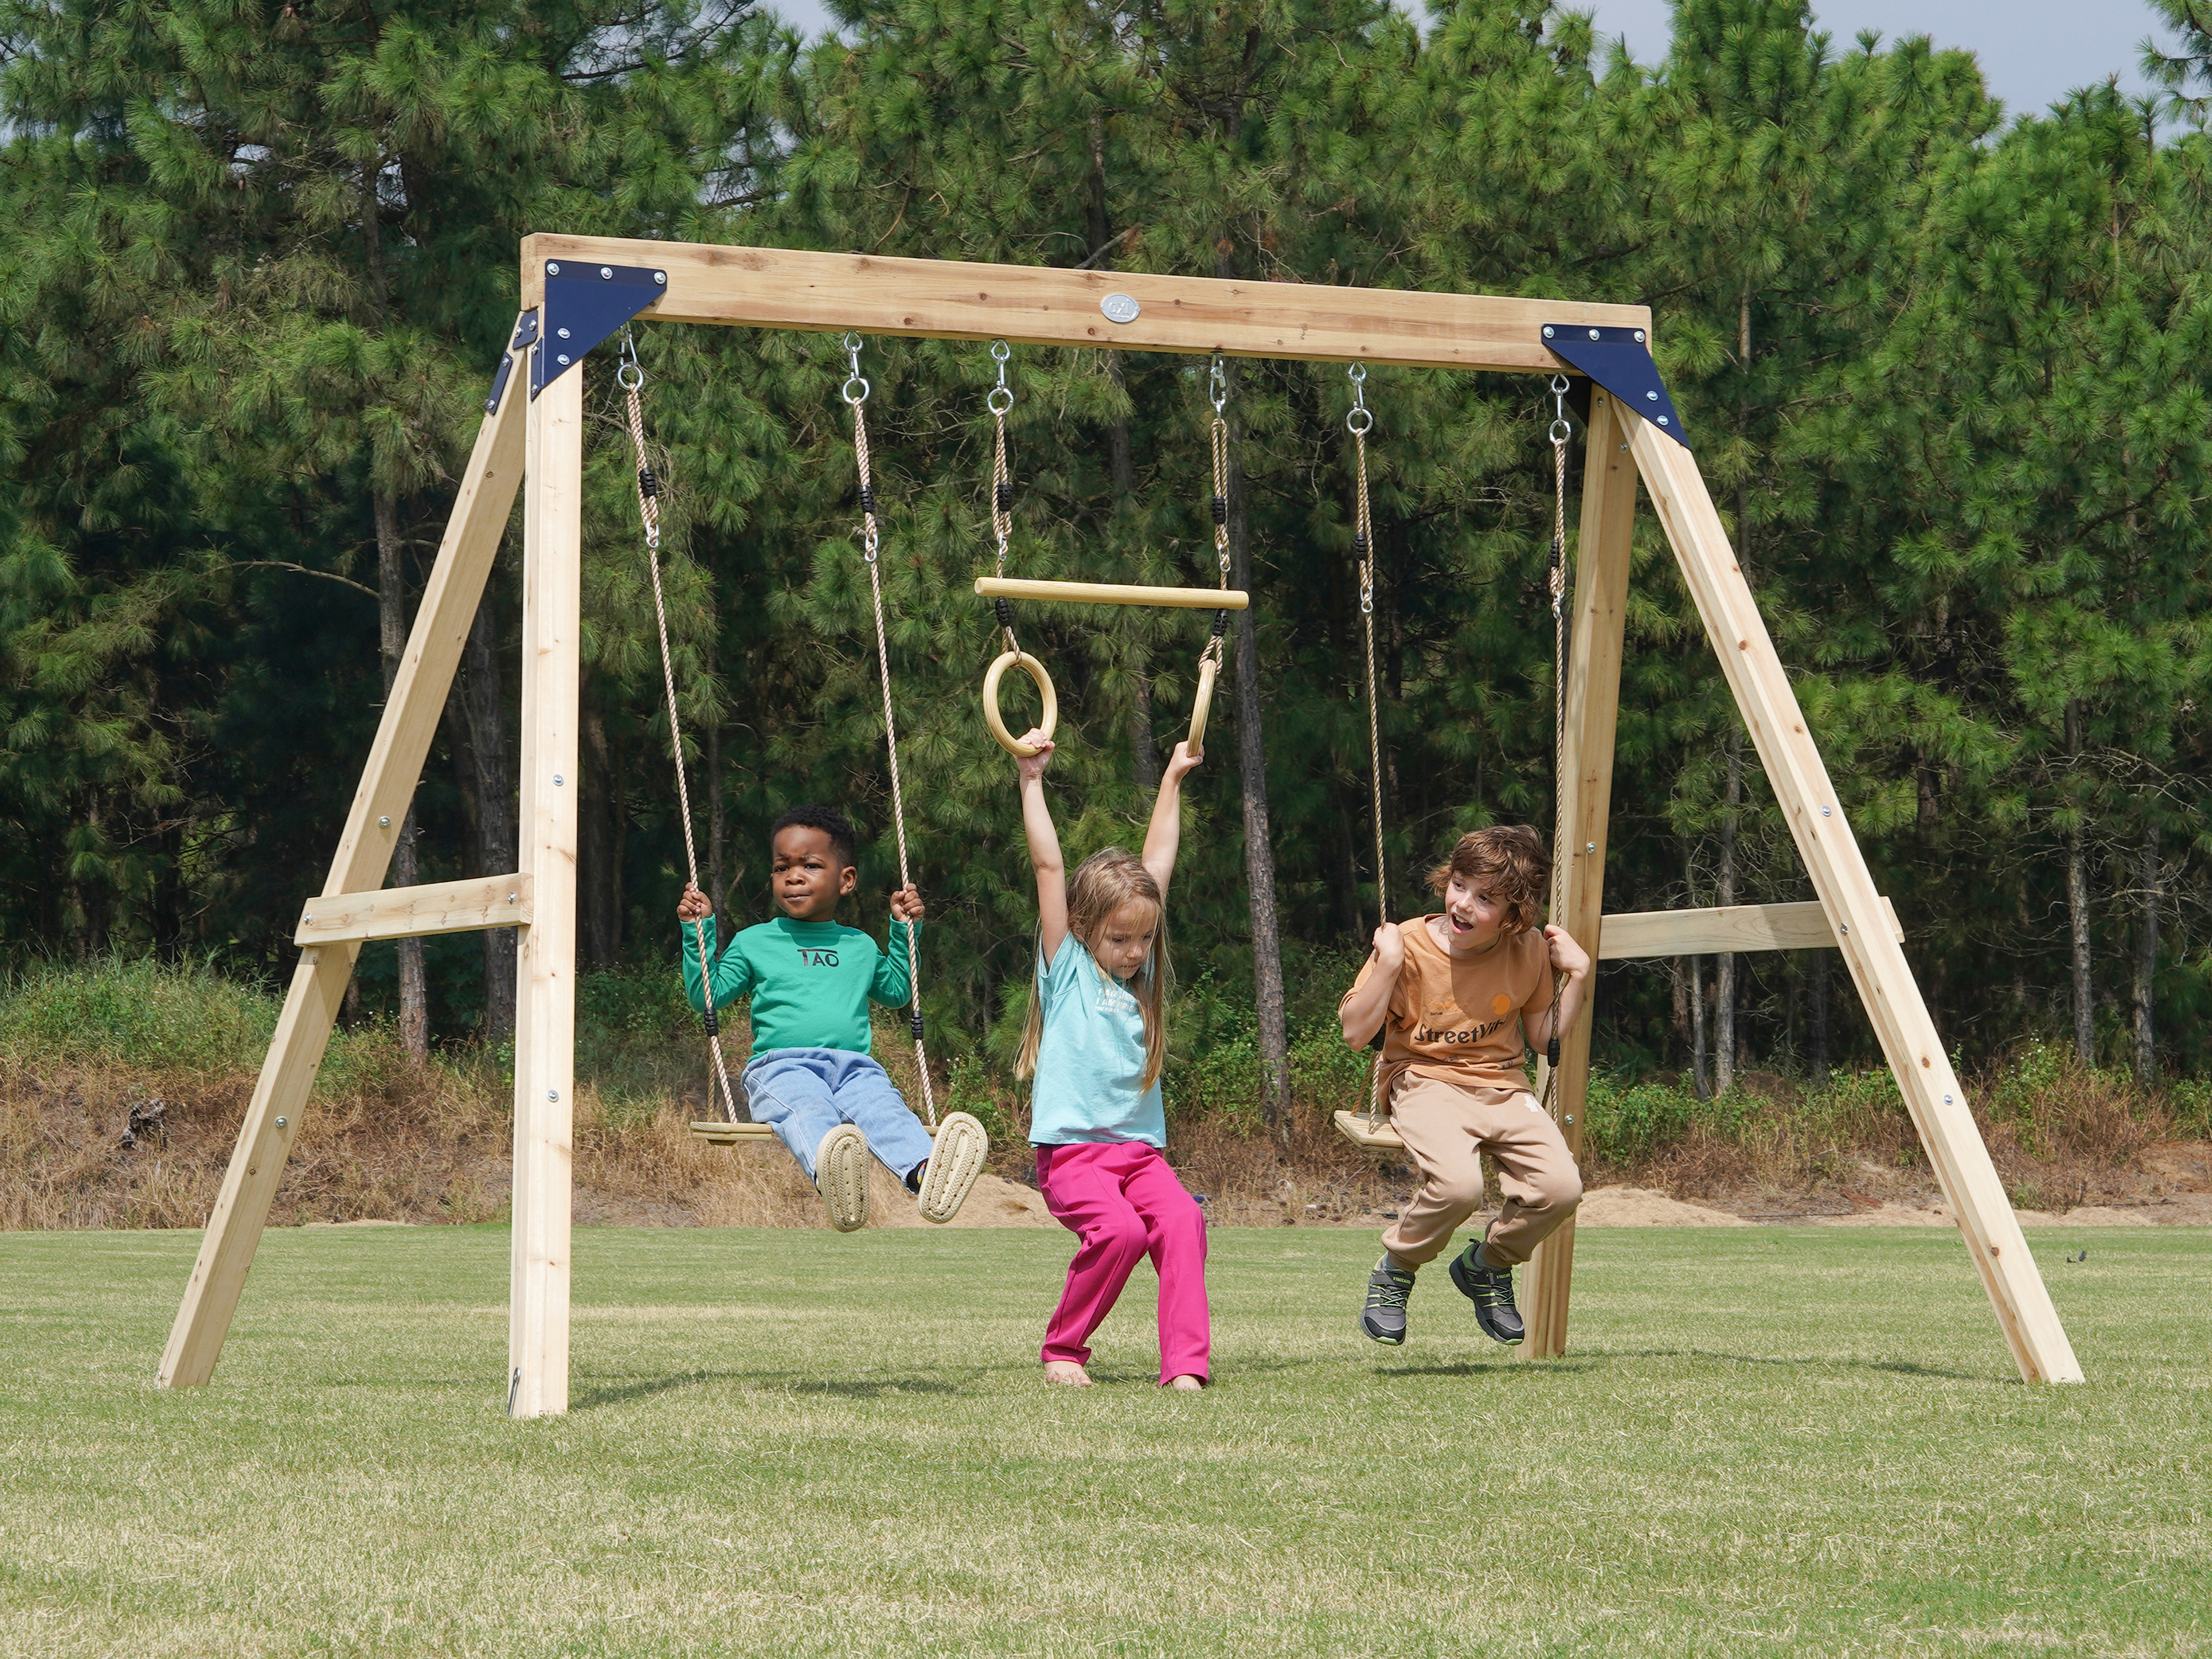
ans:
x=1217 y=389
x=855 y=393
x=1359 y=421
x=631 y=375
x=1561 y=431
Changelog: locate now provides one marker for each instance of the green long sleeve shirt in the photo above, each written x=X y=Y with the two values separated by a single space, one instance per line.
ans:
x=811 y=981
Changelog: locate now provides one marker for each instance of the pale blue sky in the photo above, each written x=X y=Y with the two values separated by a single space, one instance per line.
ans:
x=2033 y=51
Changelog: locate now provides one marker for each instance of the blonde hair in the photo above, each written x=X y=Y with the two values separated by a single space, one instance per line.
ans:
x=1102 y=884
x=1512 y=858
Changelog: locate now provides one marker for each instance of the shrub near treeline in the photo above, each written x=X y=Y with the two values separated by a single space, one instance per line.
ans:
x=1945 y=369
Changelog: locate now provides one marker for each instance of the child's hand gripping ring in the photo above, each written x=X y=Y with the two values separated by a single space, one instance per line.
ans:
x=1201 y=706
x=1050 y=718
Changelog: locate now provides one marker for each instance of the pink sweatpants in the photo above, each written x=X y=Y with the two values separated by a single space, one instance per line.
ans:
x=1123 y=1202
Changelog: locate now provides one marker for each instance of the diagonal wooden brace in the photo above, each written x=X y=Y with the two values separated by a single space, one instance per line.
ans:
x=1900 y=1019
x=319 y=983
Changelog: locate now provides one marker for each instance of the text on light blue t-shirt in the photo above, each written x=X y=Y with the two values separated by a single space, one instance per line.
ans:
x=1091 y=1058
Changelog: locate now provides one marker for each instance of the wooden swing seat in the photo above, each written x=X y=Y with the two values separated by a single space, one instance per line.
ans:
x=716 y=1132
x=1355 y=1127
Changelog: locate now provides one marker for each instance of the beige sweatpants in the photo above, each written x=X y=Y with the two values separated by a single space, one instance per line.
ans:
x=1446 y=1130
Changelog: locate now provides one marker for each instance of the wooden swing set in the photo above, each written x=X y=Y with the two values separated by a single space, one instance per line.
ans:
x=577 y=292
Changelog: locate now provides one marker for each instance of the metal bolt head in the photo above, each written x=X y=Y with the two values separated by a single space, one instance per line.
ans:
x=606 y=273
x=661 y=277
x=1824 y=812
x=510 y=899
x=1843 y=927
x=563 y=332
x=1547 y=331
x=563 y=358
x=1569 y=1118
x=1662 y=419
x=552 y=267
x=1595 y=335
x=1947 y=1100
x=1649 y=397
x=384 y=823
x=281 y=1122
x=1589 y=847
x=553 y=1095
x=1639 y=337
x=556 y=780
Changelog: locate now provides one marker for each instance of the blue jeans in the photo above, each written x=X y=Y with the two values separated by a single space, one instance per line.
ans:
x=804 y=1093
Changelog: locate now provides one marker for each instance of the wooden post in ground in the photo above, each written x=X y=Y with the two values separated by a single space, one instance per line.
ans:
x=1846 y=891
x=1600 y=601
x=379 y=806
x=544 y=1034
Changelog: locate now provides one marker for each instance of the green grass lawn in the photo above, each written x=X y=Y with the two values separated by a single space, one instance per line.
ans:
x=1765 y=1441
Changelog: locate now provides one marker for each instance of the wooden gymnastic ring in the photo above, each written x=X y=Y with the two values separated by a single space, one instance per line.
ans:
x=993 y=718
x=1201 y=706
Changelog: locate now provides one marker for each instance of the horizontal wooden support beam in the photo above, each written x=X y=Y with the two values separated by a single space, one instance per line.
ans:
x=1729 y=928
x=446 y=906
x=1172 y=598
x=1034 y=305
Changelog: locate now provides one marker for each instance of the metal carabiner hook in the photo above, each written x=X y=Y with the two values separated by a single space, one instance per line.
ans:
x=1217 y=384
x=1000 y=398
x=1359 y=421
x=852 y=374
x=630 y=372
x=1561 y=429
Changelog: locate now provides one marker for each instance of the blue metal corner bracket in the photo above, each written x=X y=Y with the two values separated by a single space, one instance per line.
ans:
x=583 y=304
x=1619 y=359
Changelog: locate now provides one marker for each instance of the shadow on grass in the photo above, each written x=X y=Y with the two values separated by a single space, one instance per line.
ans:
x=1493 y=1367
x=756 y=1383
x=1815 y=1362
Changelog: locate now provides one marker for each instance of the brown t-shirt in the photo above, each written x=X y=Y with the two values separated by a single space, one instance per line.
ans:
x=1457 y=1020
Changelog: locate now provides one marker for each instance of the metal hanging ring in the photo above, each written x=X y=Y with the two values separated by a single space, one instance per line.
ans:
x=991 y=399
x=1359 y=421
x=1561 y=431
x=631 y=374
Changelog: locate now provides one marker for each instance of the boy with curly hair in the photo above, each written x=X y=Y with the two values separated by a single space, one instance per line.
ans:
x=1456 y=994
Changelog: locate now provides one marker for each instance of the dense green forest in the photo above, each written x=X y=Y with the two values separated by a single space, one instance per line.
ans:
x=1945 y=366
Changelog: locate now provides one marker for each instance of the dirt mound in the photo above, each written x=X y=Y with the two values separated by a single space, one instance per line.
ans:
x=1639 y=1206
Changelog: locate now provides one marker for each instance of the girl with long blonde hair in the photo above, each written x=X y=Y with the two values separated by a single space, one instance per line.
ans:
x=1095 y=1044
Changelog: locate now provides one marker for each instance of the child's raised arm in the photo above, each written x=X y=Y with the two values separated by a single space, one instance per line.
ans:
x=1164 y=835
x=1045 y=859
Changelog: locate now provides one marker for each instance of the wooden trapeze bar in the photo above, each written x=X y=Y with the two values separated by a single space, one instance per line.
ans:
x=1172 y=598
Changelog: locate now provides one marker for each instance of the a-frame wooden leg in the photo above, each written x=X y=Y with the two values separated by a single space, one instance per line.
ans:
x=1846 y=891
x=1599 y=600
x=552 y=605
x=379 y=806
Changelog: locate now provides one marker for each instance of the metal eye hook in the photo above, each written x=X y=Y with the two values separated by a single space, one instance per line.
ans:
x=1360 y=420
x=1217 y=384
x=631 y=373
x=1000 y=398
x=1561 y=429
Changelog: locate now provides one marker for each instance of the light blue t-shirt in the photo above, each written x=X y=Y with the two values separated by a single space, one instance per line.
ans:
x=1090 y=1058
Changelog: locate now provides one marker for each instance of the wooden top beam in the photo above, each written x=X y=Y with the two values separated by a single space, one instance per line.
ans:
x=1035 y=304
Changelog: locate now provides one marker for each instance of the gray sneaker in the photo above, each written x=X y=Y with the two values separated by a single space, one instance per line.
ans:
x=1383 y=1318
x=1491 y=1290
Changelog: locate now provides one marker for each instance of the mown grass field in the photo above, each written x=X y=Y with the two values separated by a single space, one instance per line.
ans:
x=1765 y=1442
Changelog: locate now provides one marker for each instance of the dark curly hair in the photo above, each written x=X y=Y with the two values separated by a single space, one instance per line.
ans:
x=844 y=840
x=1512 y=859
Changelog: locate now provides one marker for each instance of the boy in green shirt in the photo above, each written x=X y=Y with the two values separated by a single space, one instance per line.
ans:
x=810 y=1077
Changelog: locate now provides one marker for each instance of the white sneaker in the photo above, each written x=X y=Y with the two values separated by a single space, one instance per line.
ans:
x=841 y=1176
x=963 y=1143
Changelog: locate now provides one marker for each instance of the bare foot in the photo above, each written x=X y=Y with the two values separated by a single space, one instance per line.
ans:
x=1067 y=1373
x=1187 y=1383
